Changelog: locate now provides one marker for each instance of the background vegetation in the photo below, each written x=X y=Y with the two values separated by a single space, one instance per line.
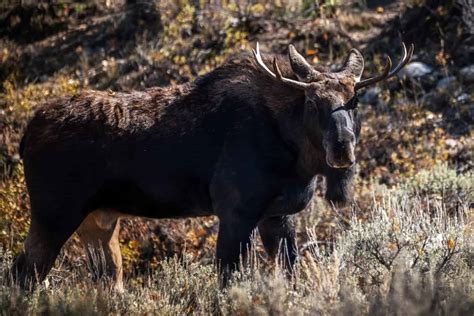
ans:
x=404 y=247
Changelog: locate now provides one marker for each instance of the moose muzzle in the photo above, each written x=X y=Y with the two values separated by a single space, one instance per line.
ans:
x=339 y=141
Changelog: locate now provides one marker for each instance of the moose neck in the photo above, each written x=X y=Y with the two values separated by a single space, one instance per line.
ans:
x=288 y=108
x=286 y=105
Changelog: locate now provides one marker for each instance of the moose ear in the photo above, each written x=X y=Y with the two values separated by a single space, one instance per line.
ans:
x=354 y=65
x=302 y=69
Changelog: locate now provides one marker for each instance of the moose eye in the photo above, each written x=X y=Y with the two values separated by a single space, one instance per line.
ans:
x=352 y=104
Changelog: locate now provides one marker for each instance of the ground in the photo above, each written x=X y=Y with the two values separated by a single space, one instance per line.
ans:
x=408 y=237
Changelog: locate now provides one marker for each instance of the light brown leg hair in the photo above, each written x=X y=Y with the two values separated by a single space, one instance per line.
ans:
x=99 y=233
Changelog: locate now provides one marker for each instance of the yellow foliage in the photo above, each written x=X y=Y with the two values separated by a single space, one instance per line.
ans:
x=20 y=101
x=183 y=29
x=257 y=8
x=451 y=243
x=409 y=136
x=130 y=253
x=14 y=214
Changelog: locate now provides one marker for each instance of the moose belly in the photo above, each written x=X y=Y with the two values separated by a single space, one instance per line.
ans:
x=162 y=199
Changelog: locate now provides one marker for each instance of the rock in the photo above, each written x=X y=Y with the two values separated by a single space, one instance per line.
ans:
x=451 y=143
x=447 y=83
x=334 y=67
x=454 y=147
x=371 y=96
x=467 y=74
x=463 y=98
x=435 y=100
x=416 y=69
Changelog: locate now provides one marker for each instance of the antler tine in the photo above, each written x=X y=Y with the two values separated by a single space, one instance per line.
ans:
x=277 y=69
x=278 y=76
x=258 y=58
x=388 y=72
x=382 y=76
x=405 y=59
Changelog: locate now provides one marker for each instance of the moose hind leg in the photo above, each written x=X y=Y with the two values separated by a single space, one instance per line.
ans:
x=99 y=234
x=42 y=245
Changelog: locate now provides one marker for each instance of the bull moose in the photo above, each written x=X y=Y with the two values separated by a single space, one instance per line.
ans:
x=242 y=142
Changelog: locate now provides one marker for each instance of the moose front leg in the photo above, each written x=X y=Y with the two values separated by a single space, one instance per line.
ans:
x=278 y=237
x=277 y=229
x=233 y=244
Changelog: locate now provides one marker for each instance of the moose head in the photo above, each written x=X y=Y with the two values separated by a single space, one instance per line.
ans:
x=330 y=119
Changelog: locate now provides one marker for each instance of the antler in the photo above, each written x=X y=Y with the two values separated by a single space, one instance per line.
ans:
x=278 y=76
x=388 y=72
